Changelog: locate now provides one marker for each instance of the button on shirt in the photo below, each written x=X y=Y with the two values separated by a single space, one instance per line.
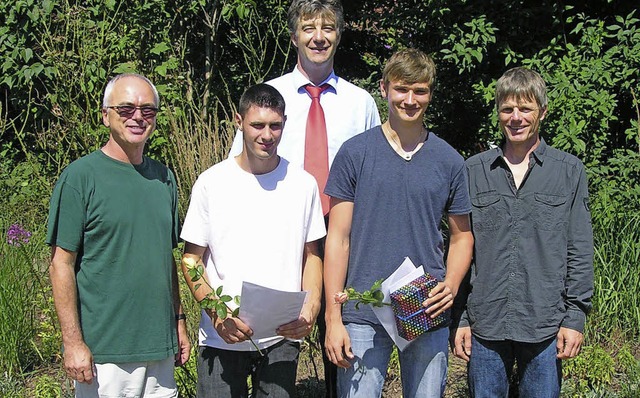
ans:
x=348 y=110
x=533 y=259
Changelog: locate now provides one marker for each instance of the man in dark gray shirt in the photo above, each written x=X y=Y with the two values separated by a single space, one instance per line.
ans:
x=532 y=277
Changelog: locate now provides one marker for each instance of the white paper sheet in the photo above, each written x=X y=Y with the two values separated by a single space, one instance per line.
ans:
x=264 y=309
x=405 y=273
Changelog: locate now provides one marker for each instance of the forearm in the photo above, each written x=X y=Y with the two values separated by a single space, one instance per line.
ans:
x=312 y=276
x=335 y=274
x=200 y=287
x=177 y=303
x=459 y=257
x=65 y=297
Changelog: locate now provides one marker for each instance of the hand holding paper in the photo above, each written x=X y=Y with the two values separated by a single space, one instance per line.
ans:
x=265 y=310
x=301 y=327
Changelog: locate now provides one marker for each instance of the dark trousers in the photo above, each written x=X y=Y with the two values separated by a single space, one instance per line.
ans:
x=224 y=373
x=330 y=370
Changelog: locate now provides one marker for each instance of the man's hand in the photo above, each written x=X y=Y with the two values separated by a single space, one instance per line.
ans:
x=301 y=327
x=231 y=330
x=338 y=344
x=184 y=345
x=78 y=362
x=461 y=343
x=440 y=299
x=569 y=343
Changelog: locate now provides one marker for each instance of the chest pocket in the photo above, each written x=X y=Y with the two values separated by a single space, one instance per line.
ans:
x=551 y=212
x=488 y=212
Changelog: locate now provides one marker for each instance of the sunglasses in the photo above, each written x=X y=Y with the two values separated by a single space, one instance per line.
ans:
x=128 y=110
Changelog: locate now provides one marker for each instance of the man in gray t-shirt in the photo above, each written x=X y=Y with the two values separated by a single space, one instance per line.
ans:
x=390 y=188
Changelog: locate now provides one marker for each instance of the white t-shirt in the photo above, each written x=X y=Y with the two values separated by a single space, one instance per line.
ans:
x=348 y=111
x=255 y=228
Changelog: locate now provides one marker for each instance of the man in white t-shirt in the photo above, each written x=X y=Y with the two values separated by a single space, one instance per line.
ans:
x=254 y=218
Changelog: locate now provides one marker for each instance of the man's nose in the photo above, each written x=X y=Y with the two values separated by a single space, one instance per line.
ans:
x=410 y=97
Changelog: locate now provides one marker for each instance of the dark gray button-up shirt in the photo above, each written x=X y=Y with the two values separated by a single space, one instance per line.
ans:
x=533 y=258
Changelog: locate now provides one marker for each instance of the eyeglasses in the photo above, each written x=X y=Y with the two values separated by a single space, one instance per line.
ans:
x=128 y=110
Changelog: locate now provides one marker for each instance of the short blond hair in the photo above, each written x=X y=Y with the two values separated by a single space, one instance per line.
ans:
x=410 y=66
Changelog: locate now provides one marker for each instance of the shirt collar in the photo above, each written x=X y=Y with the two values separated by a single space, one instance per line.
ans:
x=299 y=80
x=538 y=154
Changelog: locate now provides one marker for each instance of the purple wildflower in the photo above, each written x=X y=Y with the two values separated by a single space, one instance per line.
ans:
x=17 y=235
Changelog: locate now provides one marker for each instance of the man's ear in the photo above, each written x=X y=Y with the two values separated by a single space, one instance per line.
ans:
x=294 y=39
x=105 y=117
x=383 y=89
x=543 y=113
x=238 y=121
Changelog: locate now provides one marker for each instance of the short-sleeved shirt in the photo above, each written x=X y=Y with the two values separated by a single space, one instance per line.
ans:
x=255 y=228
x=122 y=222
x=398 y=207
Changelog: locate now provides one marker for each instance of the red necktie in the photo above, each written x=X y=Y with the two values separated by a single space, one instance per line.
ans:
x=316 y=151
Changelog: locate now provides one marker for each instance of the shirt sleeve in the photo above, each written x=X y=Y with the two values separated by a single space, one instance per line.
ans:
x=458 y=201
x=341 y=182
x=316 y=225
x=196 y=223
x=65 y=227
x=175 y=230
x=579 y=278
x=373 y=117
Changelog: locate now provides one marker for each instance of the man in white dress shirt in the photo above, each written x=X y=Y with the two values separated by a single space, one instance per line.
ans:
x=316 y=27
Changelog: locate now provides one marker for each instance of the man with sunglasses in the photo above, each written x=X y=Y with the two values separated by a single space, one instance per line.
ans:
x=113 y=223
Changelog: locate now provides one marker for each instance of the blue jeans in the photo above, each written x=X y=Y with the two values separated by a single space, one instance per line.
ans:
x=223 y=373
x=491 y=364
x=423 y=363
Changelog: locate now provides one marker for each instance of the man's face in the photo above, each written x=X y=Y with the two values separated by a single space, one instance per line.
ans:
x=520 y=120
x=407 y=102
x=130 y=129
x=261 y=131
x=316 y=39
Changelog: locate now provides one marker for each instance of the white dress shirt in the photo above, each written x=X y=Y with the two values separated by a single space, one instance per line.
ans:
x=348 y=110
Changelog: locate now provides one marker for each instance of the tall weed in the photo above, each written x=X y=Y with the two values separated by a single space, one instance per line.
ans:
x=21 y=287
x=199 y=139
x=616 y=300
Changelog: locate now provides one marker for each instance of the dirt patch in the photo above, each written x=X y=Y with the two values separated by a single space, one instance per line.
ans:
x=310 y=380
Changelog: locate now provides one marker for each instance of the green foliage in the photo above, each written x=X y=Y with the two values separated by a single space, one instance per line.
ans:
x=187 y=375
x=373 y=296
x=594 y=367
x=467 y=45
x=11 y=387
x=47 y=387
x=616 y=300
x=21 y=294
x=600 y=372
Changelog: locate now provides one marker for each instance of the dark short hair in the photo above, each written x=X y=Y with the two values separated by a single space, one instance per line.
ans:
x=410 y=66
x=521 y=84
x=302 y=9
x=263 y=96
